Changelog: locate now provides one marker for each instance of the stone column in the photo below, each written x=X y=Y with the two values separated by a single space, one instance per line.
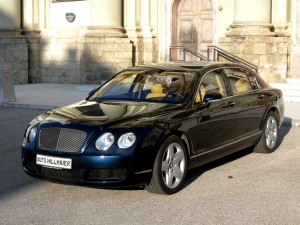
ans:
x=13 y=47
x=251 y=38
x=295 y=51
x=106 y=13
x=106 y=49
x=138 y=16
x=279 y=17
x=251 y=18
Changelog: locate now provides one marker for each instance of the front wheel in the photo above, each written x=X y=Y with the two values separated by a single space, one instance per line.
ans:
x=269 y=136
x=170 y=167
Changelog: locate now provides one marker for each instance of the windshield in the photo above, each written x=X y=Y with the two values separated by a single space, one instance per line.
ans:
x=166 y=86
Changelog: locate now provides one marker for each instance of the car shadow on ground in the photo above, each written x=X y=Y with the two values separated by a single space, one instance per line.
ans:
x=195 y=173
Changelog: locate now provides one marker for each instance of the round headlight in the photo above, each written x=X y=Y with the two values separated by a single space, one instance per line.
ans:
x=126 y=140
x=32 y=134
x=104 y=141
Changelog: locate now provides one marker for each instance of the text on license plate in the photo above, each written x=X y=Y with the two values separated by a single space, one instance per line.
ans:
x=55 y=162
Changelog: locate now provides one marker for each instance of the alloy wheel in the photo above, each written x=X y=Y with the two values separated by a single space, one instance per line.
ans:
x=271 y=132
x=173 y=165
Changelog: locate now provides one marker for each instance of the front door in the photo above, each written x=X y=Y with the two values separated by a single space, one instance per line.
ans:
x=193 y=25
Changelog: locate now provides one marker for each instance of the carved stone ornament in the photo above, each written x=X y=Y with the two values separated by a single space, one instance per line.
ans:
x=70 y=17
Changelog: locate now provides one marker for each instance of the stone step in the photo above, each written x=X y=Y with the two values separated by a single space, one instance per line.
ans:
x=293 y=80
x=286 y=86
x=291 y=99
x=291 y=91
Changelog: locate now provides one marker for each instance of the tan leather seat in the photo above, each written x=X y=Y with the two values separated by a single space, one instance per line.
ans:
x=202 y=89
x=219 y=84
x=242 y=86
x=156 y=91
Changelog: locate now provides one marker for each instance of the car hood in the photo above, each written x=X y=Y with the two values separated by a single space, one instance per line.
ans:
x=105 y=113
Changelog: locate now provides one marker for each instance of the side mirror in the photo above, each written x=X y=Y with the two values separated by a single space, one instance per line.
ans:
x=211 y=97
x=92 y=91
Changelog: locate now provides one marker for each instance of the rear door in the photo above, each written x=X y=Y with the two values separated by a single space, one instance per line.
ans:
x=249 y=101
x=216 y=122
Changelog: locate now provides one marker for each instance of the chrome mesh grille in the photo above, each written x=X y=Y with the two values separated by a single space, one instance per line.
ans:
x=62 y=139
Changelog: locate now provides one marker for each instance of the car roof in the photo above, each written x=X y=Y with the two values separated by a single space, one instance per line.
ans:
x=183 y=66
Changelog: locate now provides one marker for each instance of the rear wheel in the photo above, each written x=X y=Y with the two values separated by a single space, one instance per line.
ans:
x=170 y=166
x=269 y=136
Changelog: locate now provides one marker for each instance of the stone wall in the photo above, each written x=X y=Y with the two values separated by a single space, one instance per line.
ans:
x=88 y=55
x=146 y=50
x=271 y=54
x=60 y=55
x=105 y=53
x=14 y=55
x=295 y=62
x=34 y=61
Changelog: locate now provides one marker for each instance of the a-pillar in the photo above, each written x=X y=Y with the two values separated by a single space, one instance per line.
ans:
x=13 y=47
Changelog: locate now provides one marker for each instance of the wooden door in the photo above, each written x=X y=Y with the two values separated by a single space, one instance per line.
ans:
x=193 y=24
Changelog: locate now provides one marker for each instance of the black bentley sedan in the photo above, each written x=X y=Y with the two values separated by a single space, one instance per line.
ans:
x=149 y=124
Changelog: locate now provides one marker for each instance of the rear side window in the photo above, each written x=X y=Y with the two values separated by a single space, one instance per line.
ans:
x=239 y=81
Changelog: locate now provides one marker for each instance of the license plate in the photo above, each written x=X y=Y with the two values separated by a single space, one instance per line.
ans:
x=54 y=162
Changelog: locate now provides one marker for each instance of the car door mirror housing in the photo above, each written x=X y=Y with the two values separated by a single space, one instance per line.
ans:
x=212 y=97
x=93 y=91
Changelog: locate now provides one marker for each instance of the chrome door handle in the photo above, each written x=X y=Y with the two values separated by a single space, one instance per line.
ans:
x=231 y=103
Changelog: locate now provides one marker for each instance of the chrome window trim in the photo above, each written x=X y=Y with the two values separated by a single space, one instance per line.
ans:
x=198 y=86
x=259 y=87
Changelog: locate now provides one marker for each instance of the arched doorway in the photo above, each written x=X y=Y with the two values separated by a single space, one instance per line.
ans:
x=192 y=24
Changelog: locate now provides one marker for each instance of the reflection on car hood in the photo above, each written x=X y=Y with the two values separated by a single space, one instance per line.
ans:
x=105 y=112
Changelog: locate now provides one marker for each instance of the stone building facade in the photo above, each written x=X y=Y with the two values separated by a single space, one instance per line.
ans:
x=87 y=41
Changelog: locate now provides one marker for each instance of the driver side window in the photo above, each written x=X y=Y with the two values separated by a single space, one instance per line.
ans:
x=212 y=83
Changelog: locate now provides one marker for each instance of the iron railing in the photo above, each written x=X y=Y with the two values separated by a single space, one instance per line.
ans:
x=217 y=52
x=213 y=54
x=187 y=50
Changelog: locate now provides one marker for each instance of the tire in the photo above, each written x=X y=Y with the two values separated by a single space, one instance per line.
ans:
x=168 y=175
x=269 y=136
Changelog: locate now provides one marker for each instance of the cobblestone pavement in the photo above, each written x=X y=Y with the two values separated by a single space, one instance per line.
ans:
x=264 y=189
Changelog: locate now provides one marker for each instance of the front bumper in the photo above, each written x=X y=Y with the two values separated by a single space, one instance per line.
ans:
x=108 y=171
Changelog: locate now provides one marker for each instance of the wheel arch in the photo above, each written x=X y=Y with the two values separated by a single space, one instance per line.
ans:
x=271 y=108
x=182 y=136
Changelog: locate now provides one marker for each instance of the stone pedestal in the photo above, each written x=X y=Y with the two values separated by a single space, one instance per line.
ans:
x=251 y=18
x=14 y=55
x=60 y=55
x=251 y=29
x=270 y=54
x=106 y=51
x=140 y=32
x=7 y=90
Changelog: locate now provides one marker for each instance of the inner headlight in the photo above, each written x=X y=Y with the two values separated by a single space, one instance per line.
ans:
x=32 y=134
x=104 y=141
x=126 y=140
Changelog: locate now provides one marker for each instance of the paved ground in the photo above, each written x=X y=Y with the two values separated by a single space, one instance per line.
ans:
x=47 y=95
x=264 y=189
